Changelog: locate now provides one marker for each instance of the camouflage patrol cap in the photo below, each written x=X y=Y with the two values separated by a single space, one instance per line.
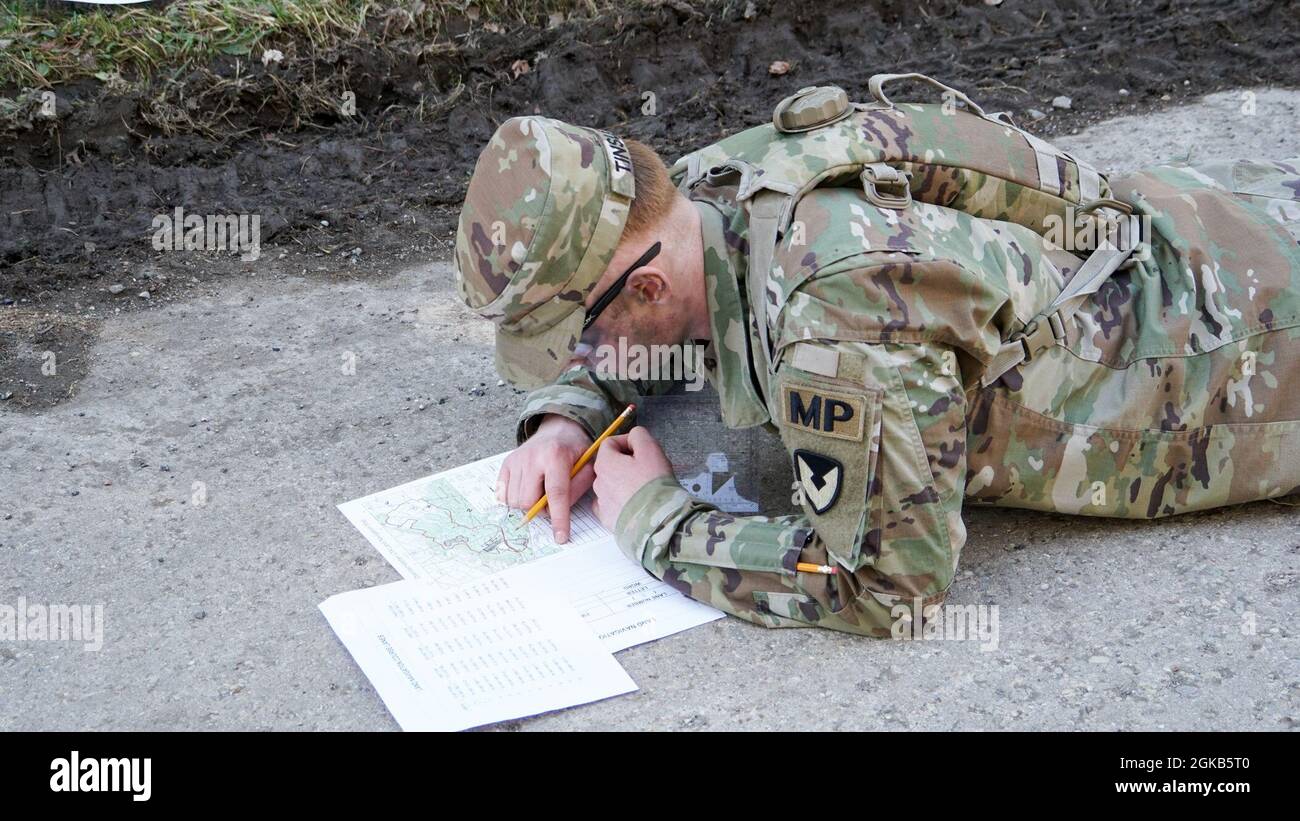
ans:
x=543 y=214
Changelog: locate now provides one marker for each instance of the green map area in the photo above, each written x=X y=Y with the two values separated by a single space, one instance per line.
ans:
x=447 y=537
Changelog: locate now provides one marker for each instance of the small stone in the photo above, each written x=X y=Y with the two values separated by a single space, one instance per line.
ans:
x=165 y=468
x=1035 y=114
x=1123 y=92
x=778 y=67
x=1062 y=102
x=143 y=294
x=200 y=614
x=116 y=288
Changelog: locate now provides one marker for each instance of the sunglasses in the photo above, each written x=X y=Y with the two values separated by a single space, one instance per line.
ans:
x=612 y=292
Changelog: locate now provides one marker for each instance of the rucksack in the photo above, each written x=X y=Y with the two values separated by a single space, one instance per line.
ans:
x=937 y=153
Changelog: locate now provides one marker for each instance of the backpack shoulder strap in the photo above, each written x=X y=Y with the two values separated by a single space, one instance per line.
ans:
x=766 y=212
x=1050 y=326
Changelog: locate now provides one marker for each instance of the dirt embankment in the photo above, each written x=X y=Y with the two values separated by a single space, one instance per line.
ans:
x=78 y=193
x=343 y=194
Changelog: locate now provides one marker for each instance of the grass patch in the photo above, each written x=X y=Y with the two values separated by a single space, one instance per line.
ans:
x=44 y=45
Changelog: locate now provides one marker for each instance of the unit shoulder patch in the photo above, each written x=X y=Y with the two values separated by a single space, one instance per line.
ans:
x=817 y=410
x=820 y=479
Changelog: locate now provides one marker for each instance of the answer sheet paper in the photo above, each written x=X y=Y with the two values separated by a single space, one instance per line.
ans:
x=620 y=602
x=486 y=651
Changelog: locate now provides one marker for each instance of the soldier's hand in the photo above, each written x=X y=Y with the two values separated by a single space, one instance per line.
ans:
x=542 y=465
x=623 y=466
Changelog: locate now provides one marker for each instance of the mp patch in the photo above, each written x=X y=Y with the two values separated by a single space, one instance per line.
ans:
x=820 y=478
x=819 y=411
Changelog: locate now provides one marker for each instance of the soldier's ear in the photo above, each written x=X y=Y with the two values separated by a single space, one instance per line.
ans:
x=649 y=283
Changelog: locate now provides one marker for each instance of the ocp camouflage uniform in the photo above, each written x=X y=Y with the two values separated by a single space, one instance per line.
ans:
x=893 y=368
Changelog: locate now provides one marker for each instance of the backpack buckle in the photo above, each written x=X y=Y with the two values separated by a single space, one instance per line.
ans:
x=886 y=186
x=1040 y=334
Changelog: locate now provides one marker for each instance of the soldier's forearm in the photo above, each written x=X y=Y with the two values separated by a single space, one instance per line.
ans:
x=590 y=400
x=590 y=408
x=742 y=565
x=578 y=395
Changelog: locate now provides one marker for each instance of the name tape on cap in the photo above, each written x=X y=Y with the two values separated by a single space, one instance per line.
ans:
x=620 y=165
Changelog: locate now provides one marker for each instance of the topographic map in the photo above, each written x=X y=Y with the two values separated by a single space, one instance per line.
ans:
x=454 y=531
x=450 y=527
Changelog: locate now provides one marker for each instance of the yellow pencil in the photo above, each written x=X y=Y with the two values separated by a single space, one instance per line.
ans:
x=809 y=567
x=586 y=457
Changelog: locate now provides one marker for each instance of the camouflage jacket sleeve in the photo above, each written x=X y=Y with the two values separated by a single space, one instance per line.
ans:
x=586 y=398
x=878 y=450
